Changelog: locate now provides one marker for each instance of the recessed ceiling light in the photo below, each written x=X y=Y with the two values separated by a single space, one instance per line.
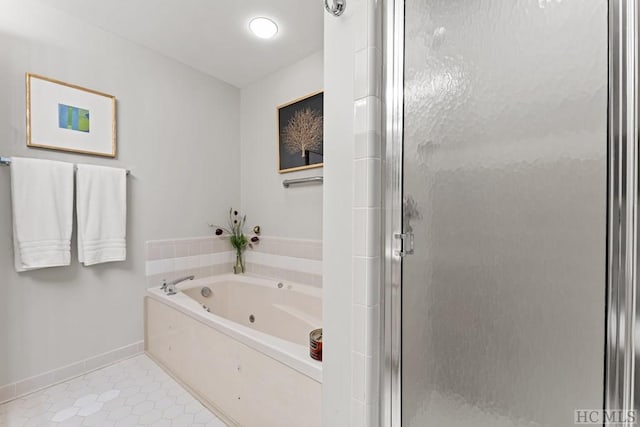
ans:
x=264 y=28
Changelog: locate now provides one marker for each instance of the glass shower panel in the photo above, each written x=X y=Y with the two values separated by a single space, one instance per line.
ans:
x=503 y=301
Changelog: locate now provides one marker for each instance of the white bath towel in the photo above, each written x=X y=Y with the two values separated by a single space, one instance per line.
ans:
x=42 y=199
x=101 y=204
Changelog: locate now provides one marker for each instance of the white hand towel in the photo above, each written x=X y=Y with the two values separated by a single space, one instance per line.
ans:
x=42 y=200
x=101 y=204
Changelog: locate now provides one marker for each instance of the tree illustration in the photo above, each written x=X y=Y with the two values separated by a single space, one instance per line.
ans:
x=303 y=133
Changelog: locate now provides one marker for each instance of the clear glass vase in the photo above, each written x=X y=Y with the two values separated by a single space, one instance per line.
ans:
x=238 y=268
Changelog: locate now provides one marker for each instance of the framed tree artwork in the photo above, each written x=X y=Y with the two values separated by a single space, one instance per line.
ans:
x=300 y=134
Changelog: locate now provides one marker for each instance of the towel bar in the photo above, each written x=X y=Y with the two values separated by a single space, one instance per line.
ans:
x=6 y=161
x=287 y=182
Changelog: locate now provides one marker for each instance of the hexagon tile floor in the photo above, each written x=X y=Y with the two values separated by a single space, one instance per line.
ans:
x=134 y=392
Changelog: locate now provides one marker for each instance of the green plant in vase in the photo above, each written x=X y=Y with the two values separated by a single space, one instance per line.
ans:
x=239 y=241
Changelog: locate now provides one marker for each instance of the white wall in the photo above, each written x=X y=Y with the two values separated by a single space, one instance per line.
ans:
x=178 y=132
x=283 y=212
x=339 y=39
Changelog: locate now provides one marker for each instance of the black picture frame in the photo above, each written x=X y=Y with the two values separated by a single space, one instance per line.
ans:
x=300 y=135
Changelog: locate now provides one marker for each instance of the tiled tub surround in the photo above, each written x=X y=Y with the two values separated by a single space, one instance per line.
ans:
x=295 y=260
x=22 y=388
x=250 y=374
x=201 y=256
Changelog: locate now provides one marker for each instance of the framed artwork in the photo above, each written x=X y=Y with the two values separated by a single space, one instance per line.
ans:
x=63 y=116
x=300 y=134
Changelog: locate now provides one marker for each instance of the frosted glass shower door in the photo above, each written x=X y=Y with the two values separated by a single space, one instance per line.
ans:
x=505 y=139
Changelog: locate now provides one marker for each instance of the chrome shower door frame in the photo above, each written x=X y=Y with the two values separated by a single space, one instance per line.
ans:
x=393 y=133
x=622 y=339
x=623 y=307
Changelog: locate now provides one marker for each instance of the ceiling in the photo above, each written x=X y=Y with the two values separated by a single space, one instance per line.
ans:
x=211 y=35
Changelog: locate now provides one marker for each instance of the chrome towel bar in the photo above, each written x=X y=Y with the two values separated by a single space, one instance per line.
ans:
x=312 y=179
x=6 y=161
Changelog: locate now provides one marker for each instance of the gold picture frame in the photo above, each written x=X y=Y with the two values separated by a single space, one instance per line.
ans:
x=300 y=133
x=67 y=117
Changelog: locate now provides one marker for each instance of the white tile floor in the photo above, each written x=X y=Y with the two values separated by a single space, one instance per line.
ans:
x=134 y=392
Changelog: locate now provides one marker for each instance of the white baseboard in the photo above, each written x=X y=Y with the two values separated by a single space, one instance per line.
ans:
x=29 y=385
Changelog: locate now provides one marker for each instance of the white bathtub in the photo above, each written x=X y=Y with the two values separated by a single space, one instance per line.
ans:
x=251 y=373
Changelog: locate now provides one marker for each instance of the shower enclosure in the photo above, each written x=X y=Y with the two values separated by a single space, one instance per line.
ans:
x=511 y=181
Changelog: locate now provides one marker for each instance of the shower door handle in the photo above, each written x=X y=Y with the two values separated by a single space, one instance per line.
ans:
x=407 y=244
